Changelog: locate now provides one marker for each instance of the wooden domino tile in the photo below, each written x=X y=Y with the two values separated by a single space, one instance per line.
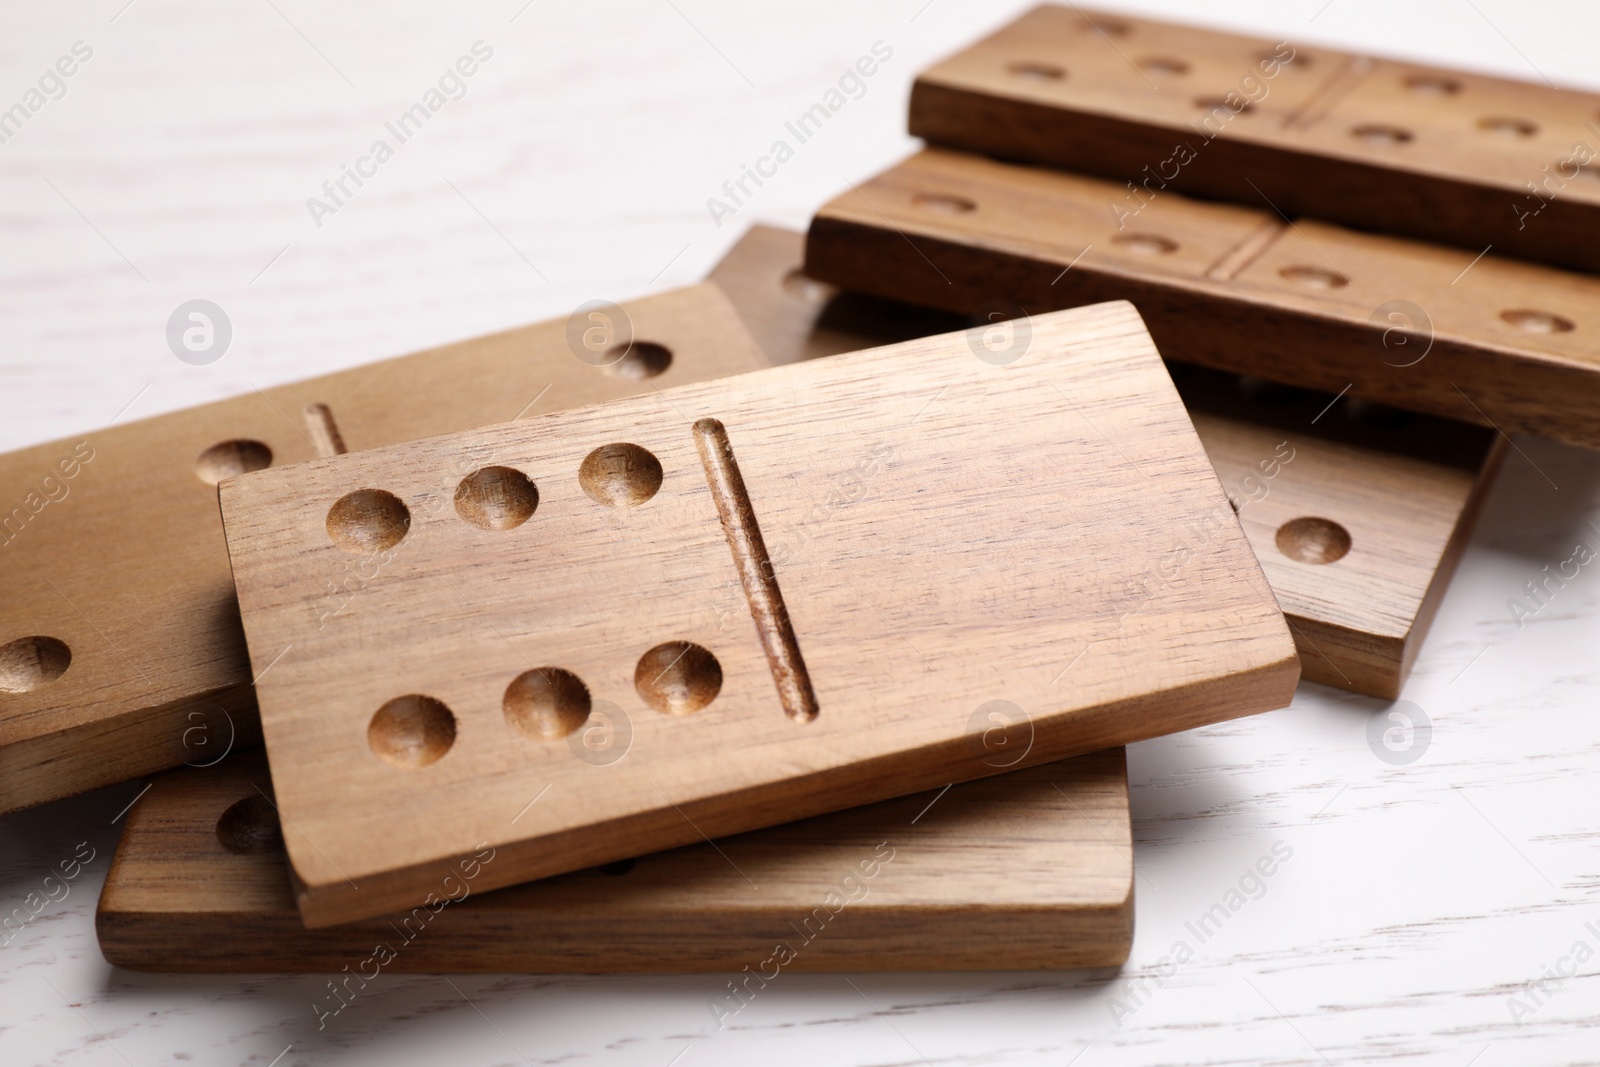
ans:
x=120 y=646
x=1384 y=145
x=784 y=593
x=1032 y=869
x=1358 y=513
x=1417 y=326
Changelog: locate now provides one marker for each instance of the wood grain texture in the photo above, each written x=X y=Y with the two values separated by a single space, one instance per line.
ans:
x=1082 y=569
x=1405 y=488
x=1389 y=146
x=131 y=574
x=1024 y=870
x=1422 y=327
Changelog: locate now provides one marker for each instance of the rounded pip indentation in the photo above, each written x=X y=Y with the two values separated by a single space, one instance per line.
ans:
x=228 y=458
x=1038 y=72
x=1313 y=540
x=677 y=678
x=1164 y=65
x=1222 y=103
x=30 y=663
x=1146 y=244
x=412 y=731
x=1378 y=134
x=546 y=703
x=1314 y=277
x=1537 y=321
x=1508 y=126
x=368 y=520
x=638 y=361
x=620 y=475
x=250 y=827
x=945 y=203
x=496 y=498
x=1432 y=85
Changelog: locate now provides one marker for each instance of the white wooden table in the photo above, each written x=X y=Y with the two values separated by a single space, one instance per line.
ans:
x=1419 y=902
